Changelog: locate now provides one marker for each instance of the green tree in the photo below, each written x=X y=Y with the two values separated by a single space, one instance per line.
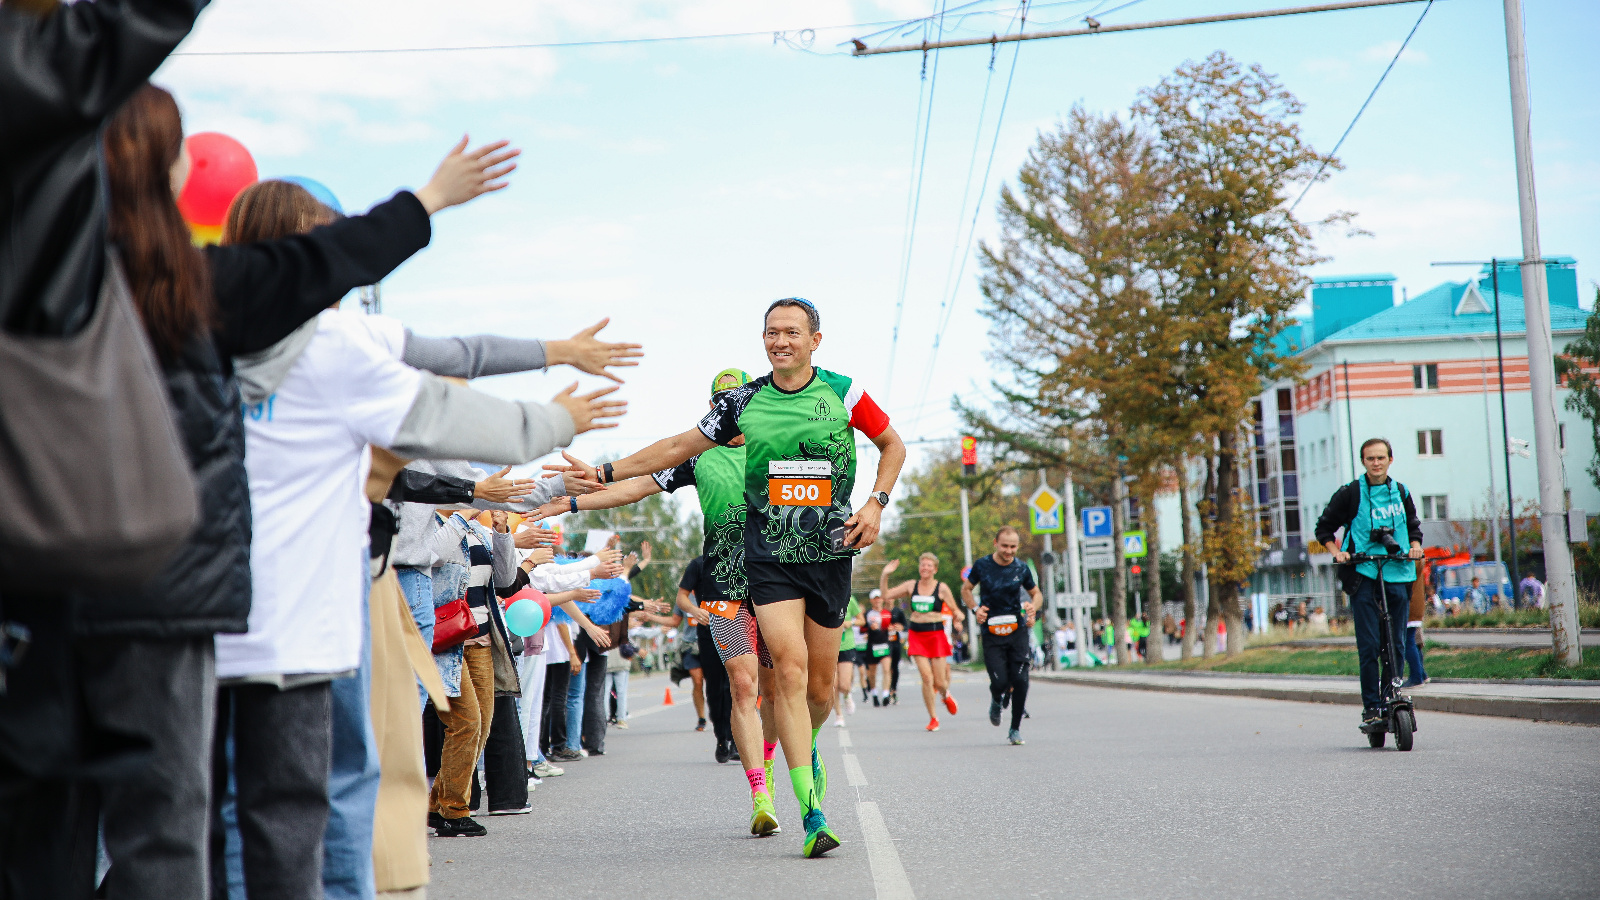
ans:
x=670 y=522
x=1229 y=139
x=928 y=520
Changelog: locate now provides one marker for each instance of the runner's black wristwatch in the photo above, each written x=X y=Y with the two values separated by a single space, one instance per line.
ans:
x=882 y=497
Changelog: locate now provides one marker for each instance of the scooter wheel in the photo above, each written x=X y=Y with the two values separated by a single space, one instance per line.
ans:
x=1404 y=728
x=1376 y=739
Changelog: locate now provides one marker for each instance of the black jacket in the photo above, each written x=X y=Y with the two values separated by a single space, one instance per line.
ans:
x=263 y=291
x=61 y=77
x=1346 y=503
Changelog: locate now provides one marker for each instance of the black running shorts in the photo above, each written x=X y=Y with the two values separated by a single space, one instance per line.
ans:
x=824 y=586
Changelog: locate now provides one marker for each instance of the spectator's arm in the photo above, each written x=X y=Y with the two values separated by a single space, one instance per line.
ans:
x=64 y=72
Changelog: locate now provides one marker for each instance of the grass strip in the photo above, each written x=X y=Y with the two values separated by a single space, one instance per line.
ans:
x=1496 y=664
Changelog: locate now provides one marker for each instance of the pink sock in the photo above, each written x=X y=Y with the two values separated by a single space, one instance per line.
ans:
x=758 y=780
x=767 y=747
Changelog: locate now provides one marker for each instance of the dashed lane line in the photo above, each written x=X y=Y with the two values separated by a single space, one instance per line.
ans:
x=889 y=879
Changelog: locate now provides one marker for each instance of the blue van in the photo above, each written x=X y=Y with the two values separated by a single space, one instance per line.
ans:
x=1452 y=581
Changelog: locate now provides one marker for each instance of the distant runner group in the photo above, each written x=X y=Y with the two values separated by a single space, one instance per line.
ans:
x=774 y=465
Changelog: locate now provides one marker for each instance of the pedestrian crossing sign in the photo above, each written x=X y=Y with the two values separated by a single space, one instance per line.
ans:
x=1045 y=512
x=1133 y=544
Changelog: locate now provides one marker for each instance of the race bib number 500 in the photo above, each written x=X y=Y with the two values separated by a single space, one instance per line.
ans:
x=800 y=483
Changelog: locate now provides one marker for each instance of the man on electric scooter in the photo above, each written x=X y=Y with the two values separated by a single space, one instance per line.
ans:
x=1366 y=508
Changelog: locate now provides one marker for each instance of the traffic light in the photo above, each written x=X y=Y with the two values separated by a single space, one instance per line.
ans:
x=969 y=455
x=1131 y=509
x=1135 y=568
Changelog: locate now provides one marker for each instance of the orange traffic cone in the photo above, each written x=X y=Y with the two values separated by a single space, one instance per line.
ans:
x=668 y=700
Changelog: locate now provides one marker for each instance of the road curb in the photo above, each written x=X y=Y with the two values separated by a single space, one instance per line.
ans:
x=1566 y=712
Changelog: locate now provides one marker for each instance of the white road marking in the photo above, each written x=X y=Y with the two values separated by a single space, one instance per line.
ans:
x=632 y=714
x=844 y=738
x=852 y=771
x=889 y=879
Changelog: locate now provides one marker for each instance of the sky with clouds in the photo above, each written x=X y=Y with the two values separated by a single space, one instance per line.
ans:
x=679 y=186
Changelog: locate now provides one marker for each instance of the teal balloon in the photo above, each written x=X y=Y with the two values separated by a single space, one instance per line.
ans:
x=317 y=190
x=524 y=618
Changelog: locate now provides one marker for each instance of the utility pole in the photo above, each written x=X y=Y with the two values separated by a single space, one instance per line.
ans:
x=1560 y=583
x=969 y=467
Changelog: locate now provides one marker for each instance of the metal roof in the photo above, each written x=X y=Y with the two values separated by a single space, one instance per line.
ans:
x=1432 y=314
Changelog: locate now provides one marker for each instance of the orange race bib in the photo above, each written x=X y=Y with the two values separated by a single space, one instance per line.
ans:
x=1002 y=625
x=724 y=608
x=800 y=483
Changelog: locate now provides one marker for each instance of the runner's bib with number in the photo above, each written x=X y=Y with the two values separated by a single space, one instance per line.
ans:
x=1002 y=625
x=880 y=650
x=800 y=483
x=727 y=609
x=929 y=604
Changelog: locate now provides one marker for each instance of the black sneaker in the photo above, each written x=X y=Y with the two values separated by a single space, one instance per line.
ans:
x=435 y=821
x=565 y=754
x=462 y=827
x=1370 y=720
x=875 y=700
x=733 y=753
x=994 y=713
x=701 y=726
x=722 y=752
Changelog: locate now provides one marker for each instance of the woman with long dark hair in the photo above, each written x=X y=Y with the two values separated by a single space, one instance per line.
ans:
x=151 y=646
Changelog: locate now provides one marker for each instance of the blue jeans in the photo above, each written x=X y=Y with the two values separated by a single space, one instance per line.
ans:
x=352 y=777
x=1364 y=609
x=575 y=709
x=1414 y=657
x=619 y=682
x=417 y=586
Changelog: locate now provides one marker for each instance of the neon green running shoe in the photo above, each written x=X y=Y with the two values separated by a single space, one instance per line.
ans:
x=768 y=764
x=763 y=818
x=819 y=837
x=819 y=774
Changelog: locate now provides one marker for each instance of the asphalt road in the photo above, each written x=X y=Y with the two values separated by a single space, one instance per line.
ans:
x=1116 y=794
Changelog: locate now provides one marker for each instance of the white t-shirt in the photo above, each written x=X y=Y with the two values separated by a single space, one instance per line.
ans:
x=307 y=461
x=554 y=650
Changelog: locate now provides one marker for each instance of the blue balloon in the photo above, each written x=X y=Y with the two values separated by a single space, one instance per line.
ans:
x=524 y=618
x=318 y=190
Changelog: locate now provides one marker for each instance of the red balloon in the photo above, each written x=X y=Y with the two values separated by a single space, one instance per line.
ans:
x=219 y=168
x=529 y=593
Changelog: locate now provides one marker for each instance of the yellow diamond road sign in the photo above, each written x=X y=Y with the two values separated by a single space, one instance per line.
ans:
x=1044 y=512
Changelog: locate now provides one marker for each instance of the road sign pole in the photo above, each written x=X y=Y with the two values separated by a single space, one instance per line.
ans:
x=1074 y=565
x=974 y=646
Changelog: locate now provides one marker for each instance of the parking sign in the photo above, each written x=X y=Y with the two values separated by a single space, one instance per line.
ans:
x=1096 y=521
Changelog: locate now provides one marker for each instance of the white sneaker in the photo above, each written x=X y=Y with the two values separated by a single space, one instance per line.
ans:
x=838 y=721
x=544 y=769
x=850 y=703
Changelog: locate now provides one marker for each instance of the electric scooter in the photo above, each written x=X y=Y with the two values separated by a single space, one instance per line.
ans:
x=1395 y=707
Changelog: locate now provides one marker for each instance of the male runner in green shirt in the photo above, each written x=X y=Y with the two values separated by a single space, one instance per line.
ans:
x=720 y=596
x=799 y=533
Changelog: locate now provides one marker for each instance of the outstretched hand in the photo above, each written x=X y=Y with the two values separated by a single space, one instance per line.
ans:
x=575 y=466
x=587 y=353
x=497 y=488
x=587 y=410
x=465 y=174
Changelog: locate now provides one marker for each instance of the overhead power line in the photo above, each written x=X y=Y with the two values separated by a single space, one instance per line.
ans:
x=947 y=306
x=861 y=49
x=908 y=246
x=1351 y=127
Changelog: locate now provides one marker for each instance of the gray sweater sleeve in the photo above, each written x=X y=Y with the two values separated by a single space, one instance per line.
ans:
x=472 y=356
x=448 y=421
x=503 y=552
